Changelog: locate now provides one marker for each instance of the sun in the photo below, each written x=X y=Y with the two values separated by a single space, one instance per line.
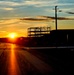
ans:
x=12 y=35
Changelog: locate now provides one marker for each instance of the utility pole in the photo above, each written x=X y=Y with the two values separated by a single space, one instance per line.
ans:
x=56 y=24
x=56 y=17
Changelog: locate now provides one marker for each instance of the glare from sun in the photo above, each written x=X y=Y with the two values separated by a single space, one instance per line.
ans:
x=12 y=35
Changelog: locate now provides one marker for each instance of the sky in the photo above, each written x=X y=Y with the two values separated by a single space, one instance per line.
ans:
x=18 y=15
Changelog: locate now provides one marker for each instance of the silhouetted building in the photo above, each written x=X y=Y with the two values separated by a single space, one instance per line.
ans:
x=44 y=36
x=62 y=36
x=38 y=31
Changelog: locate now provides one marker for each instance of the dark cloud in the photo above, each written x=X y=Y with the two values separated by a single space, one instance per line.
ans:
x=70 y=12
x=33 y=19
x=59 y=18
x=46 y=18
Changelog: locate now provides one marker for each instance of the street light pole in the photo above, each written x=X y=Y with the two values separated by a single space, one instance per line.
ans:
x=56 y=24
x=56 y=17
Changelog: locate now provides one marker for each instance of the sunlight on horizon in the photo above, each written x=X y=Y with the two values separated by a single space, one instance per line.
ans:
x=12 y=35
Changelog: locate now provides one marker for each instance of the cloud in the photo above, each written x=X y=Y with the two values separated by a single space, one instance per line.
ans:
x=9 y=21
x=45 y=18
x=40 y=3
x=9 y=9
x=60 y=9
x=70 y=12
x=65 y=4
x=9 y=3
x=59 y=18
x=34 y=19
x=66 y=9
x=27 y=20
x=36 y=3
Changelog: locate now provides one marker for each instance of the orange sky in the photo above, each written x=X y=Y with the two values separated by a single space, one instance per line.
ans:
x=20 y=27
x=18 y=15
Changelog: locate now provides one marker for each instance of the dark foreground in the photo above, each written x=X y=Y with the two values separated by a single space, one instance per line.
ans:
x=15 y=60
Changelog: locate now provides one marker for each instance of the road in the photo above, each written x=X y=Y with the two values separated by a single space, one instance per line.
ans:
x=15 y=60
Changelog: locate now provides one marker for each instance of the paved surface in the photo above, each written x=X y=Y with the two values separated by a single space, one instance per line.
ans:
x=16 y=61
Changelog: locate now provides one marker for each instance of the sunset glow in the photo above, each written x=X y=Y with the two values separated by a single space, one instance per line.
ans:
x=13 y=65
x=12 y=35
x=19 y=15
